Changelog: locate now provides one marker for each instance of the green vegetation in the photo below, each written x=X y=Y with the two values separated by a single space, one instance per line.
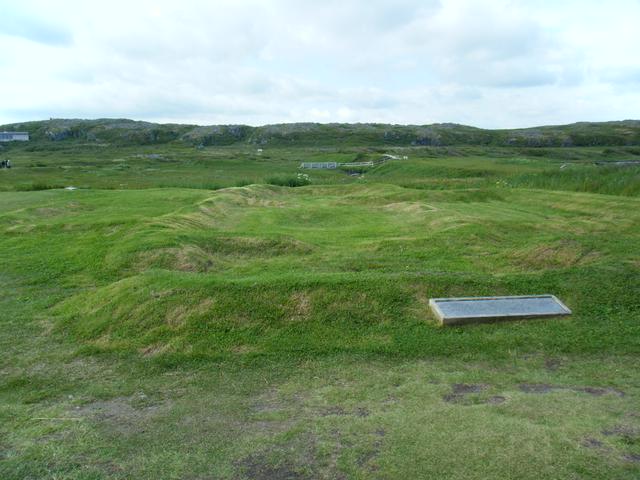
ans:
x=128 y=132
x=299 y=180
x=120 y=168
x=187 y=314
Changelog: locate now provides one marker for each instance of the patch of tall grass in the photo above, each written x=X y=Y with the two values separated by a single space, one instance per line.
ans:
x=299 y=180
x=609 y=180
x=33 y=187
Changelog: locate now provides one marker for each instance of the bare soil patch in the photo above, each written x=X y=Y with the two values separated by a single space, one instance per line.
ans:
x=333 y=411
x=120 y=415
x=300 y=306
x=626 y=431
x=256 y=467
x=460 y=391
x=552 y=364
x=337 y=410
x=590 y=442
x=540 y=388
x=496 y=400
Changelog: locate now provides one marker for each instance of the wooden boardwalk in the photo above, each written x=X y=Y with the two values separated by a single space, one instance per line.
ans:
x=334 y=165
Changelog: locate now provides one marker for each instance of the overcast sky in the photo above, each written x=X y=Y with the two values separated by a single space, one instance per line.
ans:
x=492 y=63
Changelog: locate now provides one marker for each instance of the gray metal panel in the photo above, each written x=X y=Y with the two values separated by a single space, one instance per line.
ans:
x=452 y=311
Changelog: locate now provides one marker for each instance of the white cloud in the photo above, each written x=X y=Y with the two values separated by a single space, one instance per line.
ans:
x=492 y=63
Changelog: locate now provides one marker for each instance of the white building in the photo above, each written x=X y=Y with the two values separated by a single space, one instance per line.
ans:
x=11 y=136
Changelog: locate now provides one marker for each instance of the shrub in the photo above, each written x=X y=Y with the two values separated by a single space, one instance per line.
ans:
x=299 y=180
x=31 y=187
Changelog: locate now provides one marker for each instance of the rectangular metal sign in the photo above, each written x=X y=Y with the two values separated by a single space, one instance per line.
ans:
x=456 y=311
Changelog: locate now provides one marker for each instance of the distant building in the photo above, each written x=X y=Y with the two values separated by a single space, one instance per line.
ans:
x=14 y=136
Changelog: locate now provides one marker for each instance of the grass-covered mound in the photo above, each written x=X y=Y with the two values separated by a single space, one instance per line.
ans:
x=267 y=269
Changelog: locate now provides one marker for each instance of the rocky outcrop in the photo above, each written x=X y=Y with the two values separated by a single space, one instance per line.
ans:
x=129 y=132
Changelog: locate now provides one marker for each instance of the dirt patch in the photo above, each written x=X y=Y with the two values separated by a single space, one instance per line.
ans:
x=294 y=460
x=361 y=412
x=256 y=467
x=464 y=388
x=333 y=411
x=536 y=388
x=460 y=391
x=120 y=415
x=465 y=394
x=627 y=432
x=540 y=388
x=389 y=401
x=300 y=306
x=552 y=364
x=367 y=458
x=496 y=400
x=272 y=401
x=269 y=402
x=590 y=442
x=597 y=391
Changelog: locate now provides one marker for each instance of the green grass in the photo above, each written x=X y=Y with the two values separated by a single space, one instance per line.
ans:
x=179 y=166
x=610 y=180
x=164 y=322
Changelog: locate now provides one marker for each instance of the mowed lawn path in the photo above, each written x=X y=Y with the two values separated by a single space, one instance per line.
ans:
x=272 y=332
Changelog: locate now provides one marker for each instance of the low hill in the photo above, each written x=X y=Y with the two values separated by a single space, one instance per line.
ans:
x=130 y=132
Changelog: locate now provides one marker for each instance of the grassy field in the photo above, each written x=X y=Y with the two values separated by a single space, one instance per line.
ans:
x=182 y=315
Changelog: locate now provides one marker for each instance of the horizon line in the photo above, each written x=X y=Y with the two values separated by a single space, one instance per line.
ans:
x=318 y=123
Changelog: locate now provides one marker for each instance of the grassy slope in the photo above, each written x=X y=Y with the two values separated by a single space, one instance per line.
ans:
x=269 y=332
